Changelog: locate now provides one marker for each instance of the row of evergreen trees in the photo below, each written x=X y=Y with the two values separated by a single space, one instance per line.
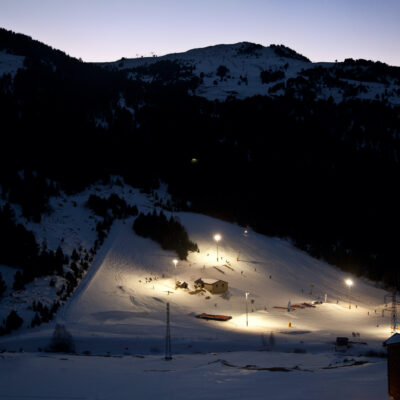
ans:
x=30 y=190
x=111 y=206
x=168 y=232
x=11 y=323
x=3 y=286
x=78 y=264
x=47 y=262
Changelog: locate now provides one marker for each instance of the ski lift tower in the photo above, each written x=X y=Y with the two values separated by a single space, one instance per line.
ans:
x=393 y=298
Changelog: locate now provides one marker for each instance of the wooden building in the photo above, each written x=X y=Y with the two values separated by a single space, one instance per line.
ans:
x=393 y=350
x=214 y=287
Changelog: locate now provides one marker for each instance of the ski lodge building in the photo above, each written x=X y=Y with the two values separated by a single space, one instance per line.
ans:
x=393 y=351
x=214 y=287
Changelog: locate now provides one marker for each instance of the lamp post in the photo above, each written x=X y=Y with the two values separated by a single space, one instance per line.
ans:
x=247 y=310
x=349 y=284
x=217 y=238
x=175 y=261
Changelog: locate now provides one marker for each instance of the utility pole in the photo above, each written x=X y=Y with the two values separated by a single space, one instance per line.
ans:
x=217 y=238
x=247 y=310
x=393 y=308
x=168 y=355
x=175 y=261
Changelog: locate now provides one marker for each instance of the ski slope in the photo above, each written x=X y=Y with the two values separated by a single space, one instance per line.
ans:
x=117 y=320
x=115 y=299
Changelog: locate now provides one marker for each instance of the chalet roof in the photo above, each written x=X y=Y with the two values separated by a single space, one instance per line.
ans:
x=393 y=339
x=212 y=281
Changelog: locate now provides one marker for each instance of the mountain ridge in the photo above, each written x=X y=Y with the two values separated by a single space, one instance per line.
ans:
x=247 y=69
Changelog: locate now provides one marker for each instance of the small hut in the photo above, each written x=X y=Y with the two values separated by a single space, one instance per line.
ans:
x=214 y=287
x=393 y=350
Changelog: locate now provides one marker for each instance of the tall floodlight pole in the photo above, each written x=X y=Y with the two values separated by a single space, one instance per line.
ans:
x=247 y=310
x=349 y=284
x=394 y=313
x=217 y=238
x=168 y=355
x=175 y=261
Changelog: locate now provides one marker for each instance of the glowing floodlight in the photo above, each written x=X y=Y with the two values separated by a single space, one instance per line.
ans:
x=217 y=238
x=349 y=284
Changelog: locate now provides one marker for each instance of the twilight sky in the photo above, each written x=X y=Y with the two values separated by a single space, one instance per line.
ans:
x=106 y=30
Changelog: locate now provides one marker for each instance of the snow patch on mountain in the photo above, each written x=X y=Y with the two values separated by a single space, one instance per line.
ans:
x=234 y=70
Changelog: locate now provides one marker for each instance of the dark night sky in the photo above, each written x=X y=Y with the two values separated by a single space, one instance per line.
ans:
x=104 y=30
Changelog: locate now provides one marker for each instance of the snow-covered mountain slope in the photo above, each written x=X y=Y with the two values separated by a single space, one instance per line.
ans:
x=70 y=225
x=131 y=280
x=235 y=70
x=119 y=309
x=10 y=63
x=244 y=62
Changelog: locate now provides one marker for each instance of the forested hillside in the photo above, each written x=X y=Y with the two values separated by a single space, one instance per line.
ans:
x=319 y=171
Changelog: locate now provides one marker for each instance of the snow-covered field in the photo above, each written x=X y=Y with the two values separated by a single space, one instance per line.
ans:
x=117 y=313
x=205 y=376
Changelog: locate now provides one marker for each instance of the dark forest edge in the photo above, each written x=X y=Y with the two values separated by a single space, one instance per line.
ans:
x=168 y=232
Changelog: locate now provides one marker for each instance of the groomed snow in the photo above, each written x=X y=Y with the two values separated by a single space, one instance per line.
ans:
x=66 y=377
x=118 y=297
x=119 y=310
